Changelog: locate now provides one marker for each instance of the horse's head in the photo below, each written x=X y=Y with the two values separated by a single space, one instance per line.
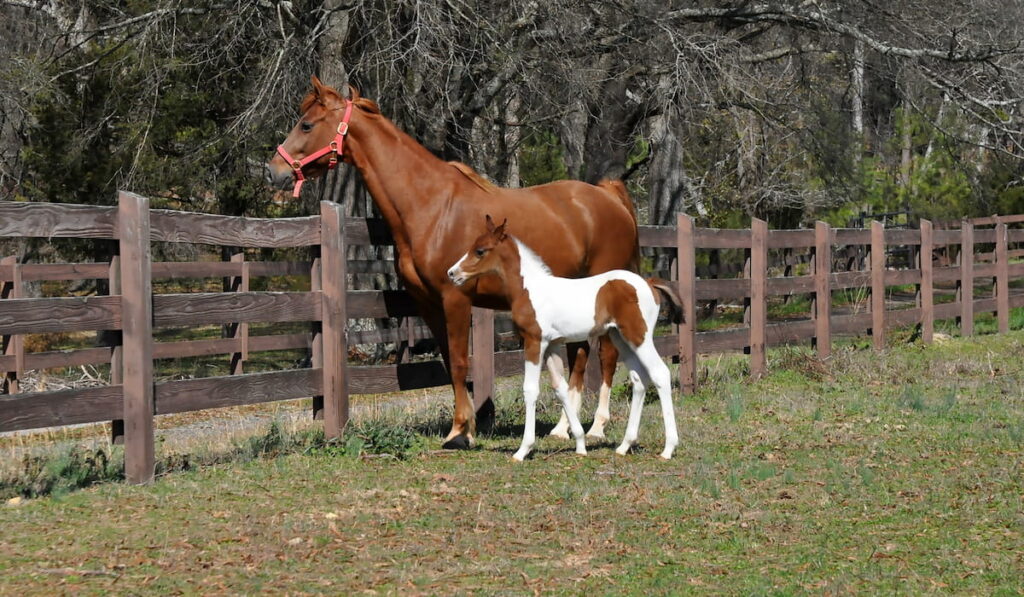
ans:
x=484 y=257
x=315 y=143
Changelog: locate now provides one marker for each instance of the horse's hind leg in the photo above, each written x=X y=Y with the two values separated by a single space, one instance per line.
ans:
x=578 y=353
x=562 y=389
x=661 y=377
x=635 y=409
x=609 y=355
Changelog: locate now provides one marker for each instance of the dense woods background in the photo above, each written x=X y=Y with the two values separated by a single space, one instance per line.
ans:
x=791 y=110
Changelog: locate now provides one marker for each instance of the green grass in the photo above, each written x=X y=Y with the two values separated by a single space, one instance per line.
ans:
x=869 y=474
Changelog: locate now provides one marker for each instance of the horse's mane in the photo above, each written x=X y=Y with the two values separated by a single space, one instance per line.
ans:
x=365 y=104
x=472 y=174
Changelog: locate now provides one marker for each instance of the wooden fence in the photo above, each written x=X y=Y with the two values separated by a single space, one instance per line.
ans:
x=133 y=397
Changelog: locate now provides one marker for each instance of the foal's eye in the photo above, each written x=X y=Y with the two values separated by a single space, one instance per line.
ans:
x=481 y=252
x=307 y=126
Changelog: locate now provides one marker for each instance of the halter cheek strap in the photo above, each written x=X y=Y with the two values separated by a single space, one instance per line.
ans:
x=335 y=148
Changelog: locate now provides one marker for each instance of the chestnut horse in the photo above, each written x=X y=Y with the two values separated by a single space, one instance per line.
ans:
x=432 y=208
x=549 y=311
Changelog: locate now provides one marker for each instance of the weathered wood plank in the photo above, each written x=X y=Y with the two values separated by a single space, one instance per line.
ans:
x=202 y=308
x=57 y=220
x=790 y=285
x=926 y=292
x=59 y=358
x=657 y=236
x=758 y=297
x=367 y=231
x=1002 y=280
x=218 y=269
x=380 y=303
x=720 y=238
x=334 y=384
x=821 y=308
x=790 y=239
x=394 y=378
x=209 y=229
x=482 y=342
x=136 y=336
x=967 y=279
x=736 y=288
x=877 y=285
x=686 y=277
x=34 y=272
x=66 y=314
x=235 y=390
x=851 y=236
x=65 y=407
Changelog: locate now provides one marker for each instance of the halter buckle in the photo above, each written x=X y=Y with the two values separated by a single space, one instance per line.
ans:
x=342 y=128
x=296 y=165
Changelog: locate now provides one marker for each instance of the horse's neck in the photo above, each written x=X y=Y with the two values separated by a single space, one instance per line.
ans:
x=399 y=172
x=532 y=273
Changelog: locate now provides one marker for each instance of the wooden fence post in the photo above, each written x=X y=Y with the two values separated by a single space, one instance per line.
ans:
x=878 y=285
x=137 y=336
x=926 y=291
x=758 y=296
x=483 y=357
x=1002 y=279
x=316 y=356
x=686 y=274
x=966 y=285
x=822 y=308
x=116 y=351
x=240 y=331
x=334 y=315
x=14 y=344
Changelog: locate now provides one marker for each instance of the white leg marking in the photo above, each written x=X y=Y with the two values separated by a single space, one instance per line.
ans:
x=531 y=388
x=661 y=377
x=557 y=372
x=635 y=409
x=602 y=414
x=569 y=410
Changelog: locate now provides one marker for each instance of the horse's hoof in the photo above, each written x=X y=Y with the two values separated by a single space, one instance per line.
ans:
x=562 y=433
x=597 y=434
x=622 y=450
x=459 y=442
x=518 y=457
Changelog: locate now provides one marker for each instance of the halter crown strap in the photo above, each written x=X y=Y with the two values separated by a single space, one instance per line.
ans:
x=335 y=148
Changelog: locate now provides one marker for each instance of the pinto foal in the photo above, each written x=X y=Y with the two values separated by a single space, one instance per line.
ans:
x=549 y=311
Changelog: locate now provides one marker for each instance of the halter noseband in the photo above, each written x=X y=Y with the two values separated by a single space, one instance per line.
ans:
x=334 y=148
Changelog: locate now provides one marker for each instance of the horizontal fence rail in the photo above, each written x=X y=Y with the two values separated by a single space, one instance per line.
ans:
x=711 y=266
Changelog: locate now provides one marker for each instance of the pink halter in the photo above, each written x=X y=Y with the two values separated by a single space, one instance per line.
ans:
x=334 y=148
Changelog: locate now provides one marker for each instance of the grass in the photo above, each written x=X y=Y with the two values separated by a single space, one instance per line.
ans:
x=902 y=474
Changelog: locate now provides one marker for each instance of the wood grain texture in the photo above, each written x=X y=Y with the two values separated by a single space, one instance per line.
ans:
x=209 y=229
x=966 y=279
x=821 y=309
x=482 y=364
x=758 y=297
x=367 y=231
x=718 y=238
x=219 y=269
x=136 y=336
x=65 y=407
x=57 y=220
x=67 y=314
x=395 y=378
x=926 y=291
x=236 y=390
x=35 y=272
x=203 y=308
x=686 y=264
x=877 y=285
x=1002 y=288
x=380 y=303
x=657 y=236
x=790 y=239
x=334 y=344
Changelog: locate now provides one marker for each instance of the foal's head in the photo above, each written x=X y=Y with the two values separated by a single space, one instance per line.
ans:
x=488 y=255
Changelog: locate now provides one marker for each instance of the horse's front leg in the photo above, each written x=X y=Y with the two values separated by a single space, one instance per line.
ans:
x=534 y=349
x=457 y=309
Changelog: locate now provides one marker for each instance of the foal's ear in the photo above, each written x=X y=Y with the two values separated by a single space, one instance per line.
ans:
x=500 y=231
x=490 y=223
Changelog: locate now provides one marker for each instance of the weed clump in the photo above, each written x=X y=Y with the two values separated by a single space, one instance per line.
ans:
x=68 y=469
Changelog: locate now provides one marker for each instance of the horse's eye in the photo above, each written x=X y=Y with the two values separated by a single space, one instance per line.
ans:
x=307 y=126
x=481 y=252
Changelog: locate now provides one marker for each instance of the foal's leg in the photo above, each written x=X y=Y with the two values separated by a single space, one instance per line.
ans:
x=578 y=353
x=531 y=388
x=635 y=409
x=661 y=377
x=609 y=359
x=562 y=390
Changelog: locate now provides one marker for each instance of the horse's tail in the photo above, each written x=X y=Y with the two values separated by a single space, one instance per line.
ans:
x=618 y=190
x=669 y=290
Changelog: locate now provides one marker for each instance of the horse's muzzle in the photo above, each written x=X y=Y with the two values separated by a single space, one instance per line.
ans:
x=279 y=179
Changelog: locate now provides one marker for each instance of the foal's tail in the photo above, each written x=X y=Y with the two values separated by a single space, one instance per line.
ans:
x=617 y=188
x=674 y=302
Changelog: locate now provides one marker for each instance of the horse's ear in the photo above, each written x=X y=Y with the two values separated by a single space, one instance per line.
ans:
x=490 y=223
x=502 y=231
x=318 y=86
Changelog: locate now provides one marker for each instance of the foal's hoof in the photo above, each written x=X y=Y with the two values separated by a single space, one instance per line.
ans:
x=459 y=442
x=562 y=433
x=596 y=433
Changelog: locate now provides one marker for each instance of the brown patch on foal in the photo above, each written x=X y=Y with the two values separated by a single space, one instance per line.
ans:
x=617 y=302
